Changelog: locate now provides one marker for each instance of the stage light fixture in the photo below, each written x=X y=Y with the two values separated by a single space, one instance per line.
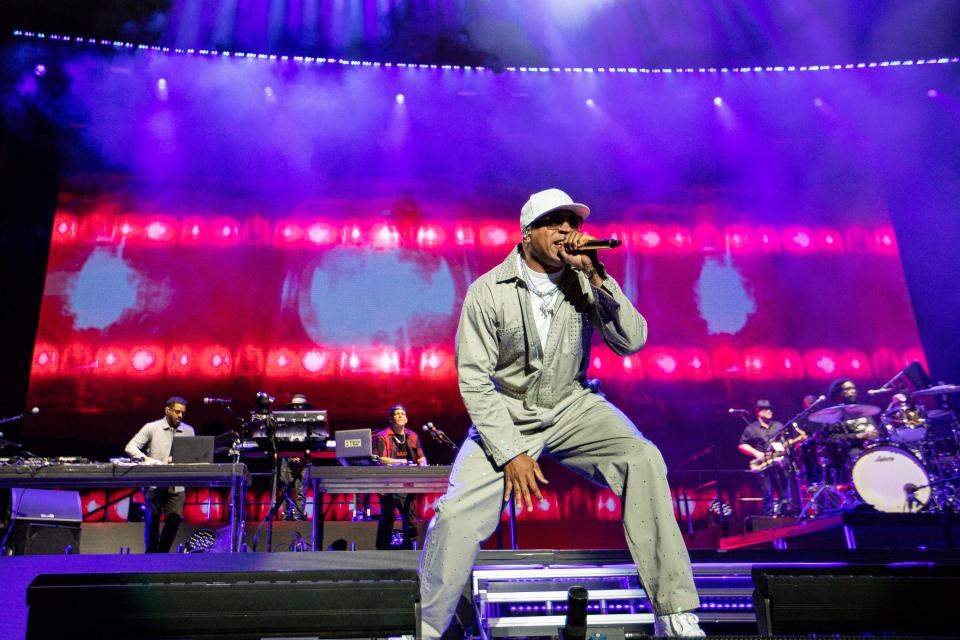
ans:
x=718 y=101
x=400 y=98
x=321 y=233
x=494 y=235
x=464 y=235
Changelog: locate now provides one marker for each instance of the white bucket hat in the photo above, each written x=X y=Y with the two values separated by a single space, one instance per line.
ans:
x=544 y=202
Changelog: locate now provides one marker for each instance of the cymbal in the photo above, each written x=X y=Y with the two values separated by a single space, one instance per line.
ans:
x=841 y=412
x=938 y=390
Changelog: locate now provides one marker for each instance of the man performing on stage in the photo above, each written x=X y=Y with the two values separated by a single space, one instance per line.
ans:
x=152 y=443
x=398 y=445
x=523 y=348
x=292 y=470
x=767 y=437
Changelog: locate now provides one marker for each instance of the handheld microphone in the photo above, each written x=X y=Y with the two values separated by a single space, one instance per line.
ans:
x=217 y=401
x=732 y=410
x=610 y=243
x=876 y=392
x=575 y=624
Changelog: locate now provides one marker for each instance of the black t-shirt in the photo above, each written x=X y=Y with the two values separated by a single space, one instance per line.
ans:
x=759 y=437
x=406 y=446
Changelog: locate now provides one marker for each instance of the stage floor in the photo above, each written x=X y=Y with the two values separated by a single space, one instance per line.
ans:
x=714 y=569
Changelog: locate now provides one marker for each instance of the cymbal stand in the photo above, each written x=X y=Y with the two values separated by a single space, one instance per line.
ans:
x=826 y=487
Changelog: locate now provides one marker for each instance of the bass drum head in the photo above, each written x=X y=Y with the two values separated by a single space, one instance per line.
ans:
x=882 y=472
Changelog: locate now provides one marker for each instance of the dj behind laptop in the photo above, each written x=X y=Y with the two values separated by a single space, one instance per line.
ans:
x=355 y=447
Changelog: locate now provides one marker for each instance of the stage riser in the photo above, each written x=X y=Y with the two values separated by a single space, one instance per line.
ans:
x=719 y=576
x=99 y=538
x=333 y=604
x=853 y=530
x=856 y=600
x=867 y=537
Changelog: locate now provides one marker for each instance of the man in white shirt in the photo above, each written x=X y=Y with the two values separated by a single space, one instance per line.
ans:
x=152 y=444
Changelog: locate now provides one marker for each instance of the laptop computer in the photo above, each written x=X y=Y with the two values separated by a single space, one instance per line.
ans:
x=189 y=449
x=354 y=446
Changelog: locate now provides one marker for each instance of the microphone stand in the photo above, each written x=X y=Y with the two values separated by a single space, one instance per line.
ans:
x=10 y=444
x=910 y=490
x=19 y=416
x=442 y=438
x=271 y=427
x=888 y=385
x=234 y=451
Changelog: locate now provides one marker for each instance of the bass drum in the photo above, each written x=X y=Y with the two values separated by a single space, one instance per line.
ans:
x=882 y=476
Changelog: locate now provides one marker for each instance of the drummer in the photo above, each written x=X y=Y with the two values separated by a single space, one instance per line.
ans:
x=863 y=427
x=767 y=438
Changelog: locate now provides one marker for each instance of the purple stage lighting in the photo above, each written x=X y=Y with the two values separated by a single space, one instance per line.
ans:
x=718 y=101
x=39 y=70
x=932 y=93
x=400 y=98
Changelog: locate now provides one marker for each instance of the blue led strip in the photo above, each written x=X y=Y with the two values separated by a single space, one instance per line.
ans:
x=850 y=66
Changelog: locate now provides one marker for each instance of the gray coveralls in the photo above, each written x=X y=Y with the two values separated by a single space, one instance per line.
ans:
x=524 y=399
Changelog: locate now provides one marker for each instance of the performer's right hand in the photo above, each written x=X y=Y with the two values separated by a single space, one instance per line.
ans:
x=522 y=474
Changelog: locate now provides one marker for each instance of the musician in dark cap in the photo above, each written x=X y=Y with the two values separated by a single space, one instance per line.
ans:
x=397 y=445
x=767 y=441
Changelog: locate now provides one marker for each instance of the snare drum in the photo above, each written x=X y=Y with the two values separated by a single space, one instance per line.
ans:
x=883 y=475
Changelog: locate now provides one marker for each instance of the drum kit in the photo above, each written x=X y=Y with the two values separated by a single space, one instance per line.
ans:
x=902 y=460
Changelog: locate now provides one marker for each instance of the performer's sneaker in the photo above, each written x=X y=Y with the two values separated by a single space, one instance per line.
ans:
x=678 y=625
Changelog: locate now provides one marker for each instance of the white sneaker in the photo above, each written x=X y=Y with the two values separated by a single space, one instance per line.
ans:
x=678 y=625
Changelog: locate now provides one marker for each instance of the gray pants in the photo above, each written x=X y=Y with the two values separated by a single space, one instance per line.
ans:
x=594 y=438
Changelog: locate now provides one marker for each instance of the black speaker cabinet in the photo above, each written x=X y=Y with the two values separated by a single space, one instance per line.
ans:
x=324 y=604
x=44 y=522
x=912 y=600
